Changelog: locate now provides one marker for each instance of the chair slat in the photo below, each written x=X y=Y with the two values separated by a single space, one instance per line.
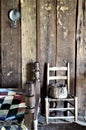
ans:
x=61 y=117
x=60 y=109
x=57 y=77
x=57 y=68
x=61 y=99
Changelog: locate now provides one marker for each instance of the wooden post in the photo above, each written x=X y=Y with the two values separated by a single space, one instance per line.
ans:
x=47 y=109
x=68 y=105
x=76 y=109
x=68 y=80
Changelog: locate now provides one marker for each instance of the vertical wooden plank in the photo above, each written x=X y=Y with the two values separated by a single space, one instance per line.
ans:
x=81 y=57
x=46 y=33
x=46 y=39
x=0 y=45
x=10 y=48
x=66 y=22
x=28 y=37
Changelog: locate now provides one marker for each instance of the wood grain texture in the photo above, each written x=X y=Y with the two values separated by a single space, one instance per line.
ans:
x=46 y=40
x=81 y=57
x=28 y=37
x=10 y=48
x=46 y=33
x=0 y=45
x=66 y=22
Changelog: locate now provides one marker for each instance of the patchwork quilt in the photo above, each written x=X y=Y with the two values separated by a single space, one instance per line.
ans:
x=12 y=108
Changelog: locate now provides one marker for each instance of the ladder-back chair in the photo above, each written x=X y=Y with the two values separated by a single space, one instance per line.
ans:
x=53 y=74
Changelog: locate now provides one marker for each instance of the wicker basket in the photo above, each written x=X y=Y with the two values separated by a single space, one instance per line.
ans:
x=58 y=92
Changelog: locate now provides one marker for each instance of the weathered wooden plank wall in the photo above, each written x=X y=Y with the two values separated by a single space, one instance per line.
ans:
x=10 y=48
x=46 y=38
x=66 y=24
x=81 y=58
x=48 y=34
x=28 y=37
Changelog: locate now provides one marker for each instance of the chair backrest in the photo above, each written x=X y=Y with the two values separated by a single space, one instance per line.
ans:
x=58 y=76
x=12 y=105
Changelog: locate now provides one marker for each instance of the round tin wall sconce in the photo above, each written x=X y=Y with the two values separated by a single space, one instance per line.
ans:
x=14 y=16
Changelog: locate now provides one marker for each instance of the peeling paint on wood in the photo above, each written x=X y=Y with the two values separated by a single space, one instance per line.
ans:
x=28 y=28
x=66 y=35
x=63 y=8
x=46 y=32
x=81 y=58
x=48 y=8
x=46 y=36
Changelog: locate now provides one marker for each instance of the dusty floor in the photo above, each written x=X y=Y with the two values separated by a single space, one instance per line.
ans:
x=71 y=126
x=43 y=126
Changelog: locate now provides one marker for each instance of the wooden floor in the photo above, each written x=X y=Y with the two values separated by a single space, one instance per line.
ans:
x=71 y=126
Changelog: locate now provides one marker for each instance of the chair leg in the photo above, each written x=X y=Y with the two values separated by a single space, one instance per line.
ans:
x=46 y=109
x=68 y=105
x=76 y=109
x=35 y=124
